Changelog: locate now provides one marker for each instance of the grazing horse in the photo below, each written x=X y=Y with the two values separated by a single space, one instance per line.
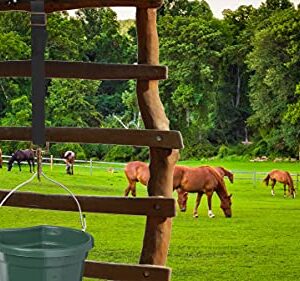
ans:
x=69 y=157
x=201 y=180
x=20 y=156
x=282 y=177
x=136 y=171
x=139 y=172
x=1 y=161
x=224 y=173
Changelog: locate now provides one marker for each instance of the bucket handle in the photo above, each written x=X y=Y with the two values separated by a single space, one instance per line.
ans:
x=82 y=216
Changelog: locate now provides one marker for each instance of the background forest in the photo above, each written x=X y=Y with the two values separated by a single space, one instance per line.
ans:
x=229 y=79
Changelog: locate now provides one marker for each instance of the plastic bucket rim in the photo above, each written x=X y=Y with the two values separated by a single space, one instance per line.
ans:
x=71 y=250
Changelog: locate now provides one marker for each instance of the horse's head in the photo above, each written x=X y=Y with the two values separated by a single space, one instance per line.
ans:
x=226 y=206
x=230 y=176
x=182 y=199
x=10 y=162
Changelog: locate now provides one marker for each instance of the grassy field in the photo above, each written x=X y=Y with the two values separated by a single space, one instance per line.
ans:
x=260 y=242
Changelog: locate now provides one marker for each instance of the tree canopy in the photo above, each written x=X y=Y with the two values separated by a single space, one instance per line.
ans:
x=229 y=79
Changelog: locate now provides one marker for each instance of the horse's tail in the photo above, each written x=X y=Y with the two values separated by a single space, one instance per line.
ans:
x=266 y=179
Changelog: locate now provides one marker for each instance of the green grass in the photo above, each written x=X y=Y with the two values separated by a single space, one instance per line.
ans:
x=260 y=242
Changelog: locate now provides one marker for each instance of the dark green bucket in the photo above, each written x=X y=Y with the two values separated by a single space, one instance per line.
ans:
x=43 y=253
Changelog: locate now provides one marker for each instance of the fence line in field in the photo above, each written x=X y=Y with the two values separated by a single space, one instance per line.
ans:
x=254 y=176
x=91 y=164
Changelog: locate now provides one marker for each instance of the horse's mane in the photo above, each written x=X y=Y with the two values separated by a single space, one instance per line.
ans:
x=218 y=178
x=222 y=168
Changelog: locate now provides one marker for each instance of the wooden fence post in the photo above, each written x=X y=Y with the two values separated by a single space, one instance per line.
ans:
x=51 y=162
x=162 y=161
x=91 y=166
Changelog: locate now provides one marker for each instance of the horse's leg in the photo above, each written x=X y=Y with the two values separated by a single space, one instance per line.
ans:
x=33 y=165
x=72 y=169
x=272 y=187
x=209 y=196
x=284 y=190
x=19 y=163
x=131 y=188
x=199 y=195
x=29 y=163
x=68 y=168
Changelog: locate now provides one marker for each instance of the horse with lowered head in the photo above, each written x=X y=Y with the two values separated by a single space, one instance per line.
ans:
x=69 y=157
x=183 y=178
x=137 y=171
x=201 y=180
x=20 y=156
x=282 y=177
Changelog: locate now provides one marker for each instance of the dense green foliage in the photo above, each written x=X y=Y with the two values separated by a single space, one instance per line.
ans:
x=260 y=241
x=229 y=79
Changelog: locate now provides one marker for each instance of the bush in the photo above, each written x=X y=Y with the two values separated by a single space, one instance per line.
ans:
x=58 y=150
x=223 y=151
x=126 y=153
x=198 y=151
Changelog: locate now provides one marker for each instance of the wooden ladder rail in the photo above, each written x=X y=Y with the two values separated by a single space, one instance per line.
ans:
x=162 y=159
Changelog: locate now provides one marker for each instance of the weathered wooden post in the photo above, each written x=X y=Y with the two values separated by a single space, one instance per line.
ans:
x=91 y=166
x=162 y=161
x=51 y=162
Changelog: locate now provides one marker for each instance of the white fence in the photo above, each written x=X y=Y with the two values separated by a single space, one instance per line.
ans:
x=253 y=176
x=91 y=164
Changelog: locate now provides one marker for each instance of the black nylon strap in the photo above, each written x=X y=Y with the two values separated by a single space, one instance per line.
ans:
x=38 y=45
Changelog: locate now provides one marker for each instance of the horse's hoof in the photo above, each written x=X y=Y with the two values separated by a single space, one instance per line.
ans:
x=195 y=216
x=211 y=216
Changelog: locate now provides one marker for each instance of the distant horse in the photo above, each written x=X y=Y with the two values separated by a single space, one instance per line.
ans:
x=224 y=173
x=201 y=180
x=1 y=158
x=282 y=177
x=69 y=157
x=20 y=156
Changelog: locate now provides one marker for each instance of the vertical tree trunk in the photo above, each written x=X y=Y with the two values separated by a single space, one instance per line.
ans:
x=238 y=88
x=162 y=161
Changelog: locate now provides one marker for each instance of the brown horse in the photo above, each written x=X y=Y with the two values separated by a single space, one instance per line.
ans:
x=224 y=173
x=282 y=177
x=139 y=172
x=201 y=180
x=20 y=156
x=136 y=171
